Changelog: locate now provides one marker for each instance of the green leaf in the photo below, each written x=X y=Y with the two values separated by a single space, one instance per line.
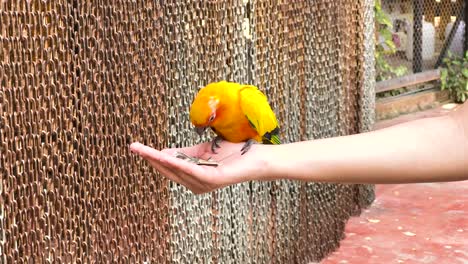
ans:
x=386 y=21
x=443 y=79
x=465 y=72
x=380 y=16
x=443 y=74
x=386 y=34
x=400 y=71
x=391 y=45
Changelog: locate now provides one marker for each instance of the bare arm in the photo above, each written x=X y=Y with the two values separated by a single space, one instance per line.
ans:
x=425 y=150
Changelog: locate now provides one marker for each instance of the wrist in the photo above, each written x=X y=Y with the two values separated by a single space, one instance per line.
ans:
x=267 y=163
x=290 y=162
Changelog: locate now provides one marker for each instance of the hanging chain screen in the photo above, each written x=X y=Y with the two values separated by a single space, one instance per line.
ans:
x=81 y=80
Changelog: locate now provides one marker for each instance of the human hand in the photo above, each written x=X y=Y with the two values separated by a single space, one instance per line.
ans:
x=233 y=167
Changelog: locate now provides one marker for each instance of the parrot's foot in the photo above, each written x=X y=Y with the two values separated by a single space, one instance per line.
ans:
x=247 y=146
x=215 y=144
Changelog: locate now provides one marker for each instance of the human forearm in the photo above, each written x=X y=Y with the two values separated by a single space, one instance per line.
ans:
x=426 y=150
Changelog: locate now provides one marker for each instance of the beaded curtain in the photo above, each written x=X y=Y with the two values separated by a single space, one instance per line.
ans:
x=81 y=80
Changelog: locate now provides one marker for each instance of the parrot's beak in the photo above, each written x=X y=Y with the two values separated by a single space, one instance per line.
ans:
x=200 y=130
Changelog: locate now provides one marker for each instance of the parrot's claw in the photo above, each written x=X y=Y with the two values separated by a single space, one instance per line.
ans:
x=247 y=146
x=215 y=144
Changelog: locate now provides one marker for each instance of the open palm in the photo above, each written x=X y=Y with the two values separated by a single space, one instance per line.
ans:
x=233 y=167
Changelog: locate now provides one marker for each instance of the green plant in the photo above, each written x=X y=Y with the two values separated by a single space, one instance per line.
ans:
x=454 y=77
x=384 y=46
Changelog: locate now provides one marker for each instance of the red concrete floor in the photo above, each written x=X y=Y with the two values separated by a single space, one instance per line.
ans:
x=413 y=223
x=410 y=223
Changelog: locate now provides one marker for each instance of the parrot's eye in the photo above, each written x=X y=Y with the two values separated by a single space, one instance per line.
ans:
x=212 y=117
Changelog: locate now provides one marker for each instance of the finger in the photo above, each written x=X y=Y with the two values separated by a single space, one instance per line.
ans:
x=180 y=171
x=194 y=151
x=181 y=165
x=179 y=177
x=142 y=150
x=153 y=157
x=165 y=159
x=166 y=172
x=146 y=151
x=202 y=176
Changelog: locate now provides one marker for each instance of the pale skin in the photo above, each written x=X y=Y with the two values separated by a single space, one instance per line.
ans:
x=426 y=150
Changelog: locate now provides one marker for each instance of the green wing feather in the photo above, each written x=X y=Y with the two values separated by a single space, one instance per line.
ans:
x=255 y=106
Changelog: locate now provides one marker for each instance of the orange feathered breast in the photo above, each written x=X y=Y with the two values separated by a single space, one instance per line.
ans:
x=232 y=125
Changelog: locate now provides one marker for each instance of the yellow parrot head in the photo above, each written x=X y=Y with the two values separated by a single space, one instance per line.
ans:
x=203 y=111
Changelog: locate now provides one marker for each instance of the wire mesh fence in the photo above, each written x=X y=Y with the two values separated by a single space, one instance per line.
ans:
x=415 y=35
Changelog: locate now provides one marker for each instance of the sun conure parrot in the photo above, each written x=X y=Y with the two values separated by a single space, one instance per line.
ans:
x=236 y=113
